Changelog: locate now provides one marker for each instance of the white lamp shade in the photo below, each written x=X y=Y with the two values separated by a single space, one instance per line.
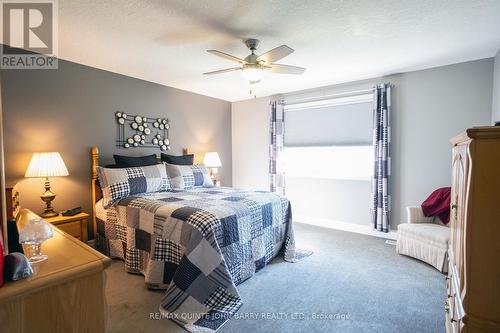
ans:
x=212 y=160
x=253 y=75
x=46 y=165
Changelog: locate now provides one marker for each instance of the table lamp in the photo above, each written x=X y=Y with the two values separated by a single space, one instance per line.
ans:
x=47 y=165
x=212 y=161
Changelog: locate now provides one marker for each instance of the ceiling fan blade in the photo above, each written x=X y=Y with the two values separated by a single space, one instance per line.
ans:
x=275 y=54
x=227 y=56
x=223 y=71
x=287 y=69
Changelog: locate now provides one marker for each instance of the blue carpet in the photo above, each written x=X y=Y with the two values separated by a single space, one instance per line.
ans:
x=352 y=283
x=357 y=283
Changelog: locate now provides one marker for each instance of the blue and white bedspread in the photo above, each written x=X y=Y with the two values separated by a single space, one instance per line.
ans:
x=198 y=244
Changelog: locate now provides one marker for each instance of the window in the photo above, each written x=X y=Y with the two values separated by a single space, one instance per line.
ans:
x=328 y=159
x=330 y=139
x=329 y=162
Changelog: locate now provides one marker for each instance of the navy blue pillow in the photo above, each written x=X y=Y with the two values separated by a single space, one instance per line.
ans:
x=178 y=160
x=134 y=161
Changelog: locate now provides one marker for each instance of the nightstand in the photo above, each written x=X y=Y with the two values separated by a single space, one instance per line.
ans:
x=75 y=225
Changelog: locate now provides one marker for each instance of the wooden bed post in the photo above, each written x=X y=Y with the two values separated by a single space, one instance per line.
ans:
x=94 y=156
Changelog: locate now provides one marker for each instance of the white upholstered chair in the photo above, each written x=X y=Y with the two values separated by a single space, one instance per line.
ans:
x=424 y=238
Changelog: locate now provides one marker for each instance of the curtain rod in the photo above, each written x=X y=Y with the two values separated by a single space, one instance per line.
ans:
x=319 y=98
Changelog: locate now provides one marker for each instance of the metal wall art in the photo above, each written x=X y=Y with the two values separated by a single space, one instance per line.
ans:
x=139 y=131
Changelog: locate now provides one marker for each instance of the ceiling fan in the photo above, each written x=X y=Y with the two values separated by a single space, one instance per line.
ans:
x=254 y=66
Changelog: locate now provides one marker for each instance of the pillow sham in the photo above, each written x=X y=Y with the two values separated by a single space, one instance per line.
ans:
x=134 y=161
x=117 y=184
x=188 y=176
x=178 y=160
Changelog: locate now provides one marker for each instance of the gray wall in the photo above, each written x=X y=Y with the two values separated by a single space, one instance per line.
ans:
x=72 y=109
x=495 y=116
x=429 y=107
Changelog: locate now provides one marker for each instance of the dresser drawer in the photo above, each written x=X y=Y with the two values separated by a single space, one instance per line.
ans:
x=71 y=228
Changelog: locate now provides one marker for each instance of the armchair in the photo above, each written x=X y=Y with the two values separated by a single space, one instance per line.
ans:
x=424 y=238
x=416 y=215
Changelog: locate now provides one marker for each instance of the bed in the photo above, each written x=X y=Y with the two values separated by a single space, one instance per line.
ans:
x=198 y=244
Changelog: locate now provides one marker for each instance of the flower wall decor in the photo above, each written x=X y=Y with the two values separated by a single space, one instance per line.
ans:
x=140 y=131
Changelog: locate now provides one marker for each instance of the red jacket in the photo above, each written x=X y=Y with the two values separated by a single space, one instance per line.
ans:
x=1 y=261
x=438 y=204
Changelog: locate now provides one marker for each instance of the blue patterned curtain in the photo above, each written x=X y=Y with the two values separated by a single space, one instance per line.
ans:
x=381 y=198
x=276 y=172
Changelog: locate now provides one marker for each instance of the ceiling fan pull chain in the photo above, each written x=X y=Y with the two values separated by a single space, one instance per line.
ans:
x=252 y=90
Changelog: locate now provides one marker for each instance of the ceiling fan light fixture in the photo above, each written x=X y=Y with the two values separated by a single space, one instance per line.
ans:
x=253 y=66
x=252 y=74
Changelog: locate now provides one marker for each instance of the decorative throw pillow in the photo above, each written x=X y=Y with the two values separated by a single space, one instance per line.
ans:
x=178 y=160
x=188 y=176
x=117 y=184
x=133 y=161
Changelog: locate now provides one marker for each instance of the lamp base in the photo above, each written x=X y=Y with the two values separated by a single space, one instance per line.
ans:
x=213 y=175
x=47 y=197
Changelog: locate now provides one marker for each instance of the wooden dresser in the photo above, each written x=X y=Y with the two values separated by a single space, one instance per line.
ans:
x=473 y=303
x=66 y=293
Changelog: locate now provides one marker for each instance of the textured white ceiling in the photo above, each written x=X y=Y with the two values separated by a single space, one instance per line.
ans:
x=164 y=41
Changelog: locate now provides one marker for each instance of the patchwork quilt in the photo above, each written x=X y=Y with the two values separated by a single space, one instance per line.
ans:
x=198 y=244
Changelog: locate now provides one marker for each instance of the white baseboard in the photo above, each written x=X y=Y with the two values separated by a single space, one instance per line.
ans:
x=345 y=226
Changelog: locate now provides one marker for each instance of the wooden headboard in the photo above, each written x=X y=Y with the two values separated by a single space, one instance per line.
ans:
x=95 y=191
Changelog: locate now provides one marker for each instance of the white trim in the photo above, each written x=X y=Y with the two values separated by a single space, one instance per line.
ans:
x=319 y=94
x=364 y=98
x=345 y=226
